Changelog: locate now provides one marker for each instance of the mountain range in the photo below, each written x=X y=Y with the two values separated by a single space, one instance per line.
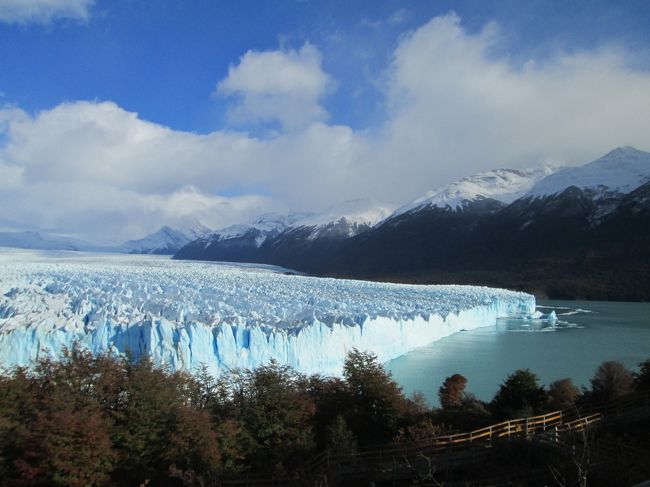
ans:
x=561 y=232
x=297 y=238
x=165 y=241
x=574 y=232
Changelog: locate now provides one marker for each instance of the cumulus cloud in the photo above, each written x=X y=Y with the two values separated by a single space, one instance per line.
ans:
x=454 y=107
x=43 y=11
x=284 y=86
x=94 y=169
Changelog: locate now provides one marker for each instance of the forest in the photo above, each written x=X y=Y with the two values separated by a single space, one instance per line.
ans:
x=114 y=420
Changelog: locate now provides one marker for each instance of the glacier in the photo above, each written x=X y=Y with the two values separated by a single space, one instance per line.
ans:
x=185 y=314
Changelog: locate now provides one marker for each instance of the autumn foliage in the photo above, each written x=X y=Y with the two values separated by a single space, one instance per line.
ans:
x=108 y=420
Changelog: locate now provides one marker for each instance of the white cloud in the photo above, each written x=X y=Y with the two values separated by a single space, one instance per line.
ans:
x=82 y=163
x=284 y=86
x=43 y=11
x=457 y=106
x=399 y=16
x=10 y=176
x=454 y=107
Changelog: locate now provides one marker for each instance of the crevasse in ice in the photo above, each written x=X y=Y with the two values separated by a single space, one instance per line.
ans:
x=184 y=314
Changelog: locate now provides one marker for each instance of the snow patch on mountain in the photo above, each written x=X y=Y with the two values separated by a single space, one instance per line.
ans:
x=343 y=220
x=620 y=171
x=167 y=240
x=263 y=226
x=362 y=211
x=504 y=185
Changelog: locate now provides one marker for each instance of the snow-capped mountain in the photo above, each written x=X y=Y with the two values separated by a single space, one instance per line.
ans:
x=167 y=240
x=344 y=220
x=44 y=241
x=618 y=172
x=285 y=238
x=257 y=230
x=362 y=211
x=580 y=232
x=503 y=185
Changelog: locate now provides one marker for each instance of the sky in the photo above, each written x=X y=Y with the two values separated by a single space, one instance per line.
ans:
x=120 y=116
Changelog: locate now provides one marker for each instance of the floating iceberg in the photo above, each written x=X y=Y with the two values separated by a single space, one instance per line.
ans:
x=185 y=314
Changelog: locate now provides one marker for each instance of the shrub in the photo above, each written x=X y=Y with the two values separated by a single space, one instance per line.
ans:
x=519 y=395
x=562 y=394
x=611 y=381
x=452 y=391
x=642 y=379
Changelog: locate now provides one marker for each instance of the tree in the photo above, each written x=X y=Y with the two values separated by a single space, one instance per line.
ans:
x=642 y=379
x=377 y=400
x=271 y=403
x=158 y=430
x=332 y=398
x=55 y=431
x=562 y=394
x=611 y=381
x=66 y=447
x=519 y=395
x=340 y=439
x=193 y=450
x=452 y=391
x=235 y=445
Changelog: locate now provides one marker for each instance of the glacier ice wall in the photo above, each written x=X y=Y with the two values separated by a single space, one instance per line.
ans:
x=184 y=314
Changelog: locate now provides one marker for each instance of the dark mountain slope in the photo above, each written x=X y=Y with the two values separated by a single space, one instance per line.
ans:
x=562 y=246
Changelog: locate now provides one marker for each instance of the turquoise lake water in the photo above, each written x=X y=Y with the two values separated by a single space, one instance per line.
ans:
x=587 y=333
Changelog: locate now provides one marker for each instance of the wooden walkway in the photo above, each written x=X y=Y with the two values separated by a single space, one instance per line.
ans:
x=449 y=451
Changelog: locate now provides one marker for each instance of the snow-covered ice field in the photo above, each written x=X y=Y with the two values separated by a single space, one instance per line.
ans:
x=185 y=314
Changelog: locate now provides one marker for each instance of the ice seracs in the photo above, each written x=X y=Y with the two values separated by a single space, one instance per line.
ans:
x=187 y=314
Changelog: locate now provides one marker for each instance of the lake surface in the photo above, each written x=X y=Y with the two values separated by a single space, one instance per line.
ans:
x=587 y=333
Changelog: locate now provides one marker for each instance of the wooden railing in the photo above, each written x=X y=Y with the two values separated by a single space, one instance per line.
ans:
x=554 y=425
x=559 y=422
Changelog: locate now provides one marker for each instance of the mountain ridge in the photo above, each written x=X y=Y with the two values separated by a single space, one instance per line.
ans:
x=569 y=243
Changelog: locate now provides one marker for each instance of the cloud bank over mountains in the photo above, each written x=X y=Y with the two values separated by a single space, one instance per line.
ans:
x=455 y=104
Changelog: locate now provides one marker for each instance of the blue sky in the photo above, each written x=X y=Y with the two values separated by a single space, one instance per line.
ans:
x=163 y=58
x=372 y=94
